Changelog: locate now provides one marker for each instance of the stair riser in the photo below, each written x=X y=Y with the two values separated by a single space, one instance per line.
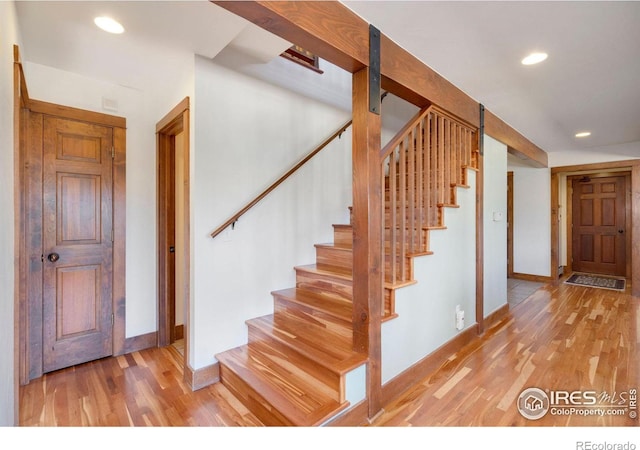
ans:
x=420 y=240
x=338 y=257
x=261 y=408
x=456 y=175
x=432 y=200
x=334 y=257
x=330 y=379
x=282 y=304
x=432 y=218
x=343 y=236
x=326 y=285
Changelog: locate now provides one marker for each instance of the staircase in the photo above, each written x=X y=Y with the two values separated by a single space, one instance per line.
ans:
x=293 y=371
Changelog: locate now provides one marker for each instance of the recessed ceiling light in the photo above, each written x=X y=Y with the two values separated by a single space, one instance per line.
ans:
x=583 y=134
x=534 y=58
x=109 y=25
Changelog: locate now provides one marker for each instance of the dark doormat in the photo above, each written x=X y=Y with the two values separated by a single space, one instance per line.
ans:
x=597 y=281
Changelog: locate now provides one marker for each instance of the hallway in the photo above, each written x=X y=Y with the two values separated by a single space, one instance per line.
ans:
x=561 y=338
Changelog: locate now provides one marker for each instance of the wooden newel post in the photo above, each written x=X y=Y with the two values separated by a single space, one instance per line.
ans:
x=367 y=228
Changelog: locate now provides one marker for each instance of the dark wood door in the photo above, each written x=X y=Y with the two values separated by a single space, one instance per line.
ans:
x=599 y=225
x=77 y=242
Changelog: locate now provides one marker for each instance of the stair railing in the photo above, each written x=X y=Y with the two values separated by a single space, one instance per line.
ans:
x=234 y=218
x=421 y=166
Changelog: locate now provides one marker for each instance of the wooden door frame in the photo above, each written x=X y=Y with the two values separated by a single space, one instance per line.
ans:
x=174 y=123
x=633 y=218
x=28 y=187
x=509 y=224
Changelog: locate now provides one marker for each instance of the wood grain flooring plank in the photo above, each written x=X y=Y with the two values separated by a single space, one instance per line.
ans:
x=562 y=337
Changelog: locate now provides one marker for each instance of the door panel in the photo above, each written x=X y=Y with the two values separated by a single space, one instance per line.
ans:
x=77 y=242
x=77 y=298
x=599 y=225
x=78 y=224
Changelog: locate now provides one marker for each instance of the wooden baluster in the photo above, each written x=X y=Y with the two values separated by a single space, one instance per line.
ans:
x=426 y=149
x=467 y=152
x=392 y=219
x=458 y=154
x=472 y=150
x=441 y=144
x=434 y=170
x=419 y=182
x=465 y=141
x=403 y=210
x=447 y=161
x=411 y=189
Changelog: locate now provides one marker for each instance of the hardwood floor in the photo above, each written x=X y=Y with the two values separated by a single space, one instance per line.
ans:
x=562 y=338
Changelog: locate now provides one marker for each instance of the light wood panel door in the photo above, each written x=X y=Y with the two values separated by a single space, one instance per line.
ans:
x=599 y=225
x=77 y=242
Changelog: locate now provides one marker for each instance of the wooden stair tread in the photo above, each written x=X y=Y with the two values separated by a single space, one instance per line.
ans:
x=328 y=304
x=293 y=369
x=326 y=270
x=334 y=246
x=330 y=348
x=294 y=397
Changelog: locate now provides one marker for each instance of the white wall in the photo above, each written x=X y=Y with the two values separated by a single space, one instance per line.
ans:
x=9 y=35
x=248 y=132
x=532 y=204
x=426 y=310
x=495 y=225
x=143 y=107
x=618 y=152
x=531 y=219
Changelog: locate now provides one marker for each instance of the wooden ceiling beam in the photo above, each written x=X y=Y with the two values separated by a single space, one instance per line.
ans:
x=335 y=33
x=327 y=29
x=516 y=143
x=407 y=77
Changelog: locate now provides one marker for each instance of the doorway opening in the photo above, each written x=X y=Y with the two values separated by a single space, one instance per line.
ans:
x=598 y=218
x=509 y=224
x=172 y=134
x=561 y=235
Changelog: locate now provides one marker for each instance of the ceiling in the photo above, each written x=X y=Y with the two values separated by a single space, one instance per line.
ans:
x=589 y=82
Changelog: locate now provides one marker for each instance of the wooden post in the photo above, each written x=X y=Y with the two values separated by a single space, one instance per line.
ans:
x=480 y=226
x=367 y=236
x=635 y=232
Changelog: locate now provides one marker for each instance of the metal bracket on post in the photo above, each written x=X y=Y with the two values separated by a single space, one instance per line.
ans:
x=481 y=131
x=374 y=70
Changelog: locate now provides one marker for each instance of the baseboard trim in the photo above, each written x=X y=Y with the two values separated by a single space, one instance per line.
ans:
x=527 y=277
x=429 y=364
x=354 y=417
x=203 y=377
x=496 y=316
x=141 y=342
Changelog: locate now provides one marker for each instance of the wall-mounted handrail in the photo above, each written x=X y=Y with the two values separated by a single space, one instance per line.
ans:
x=280 y=180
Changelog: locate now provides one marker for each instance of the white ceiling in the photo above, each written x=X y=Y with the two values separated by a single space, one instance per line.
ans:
x=589 y=82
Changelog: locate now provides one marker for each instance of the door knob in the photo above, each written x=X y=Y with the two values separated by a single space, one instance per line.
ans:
x=620 y=231
x=53 y=257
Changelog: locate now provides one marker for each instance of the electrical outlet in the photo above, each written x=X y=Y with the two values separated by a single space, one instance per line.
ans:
x=459 y=318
